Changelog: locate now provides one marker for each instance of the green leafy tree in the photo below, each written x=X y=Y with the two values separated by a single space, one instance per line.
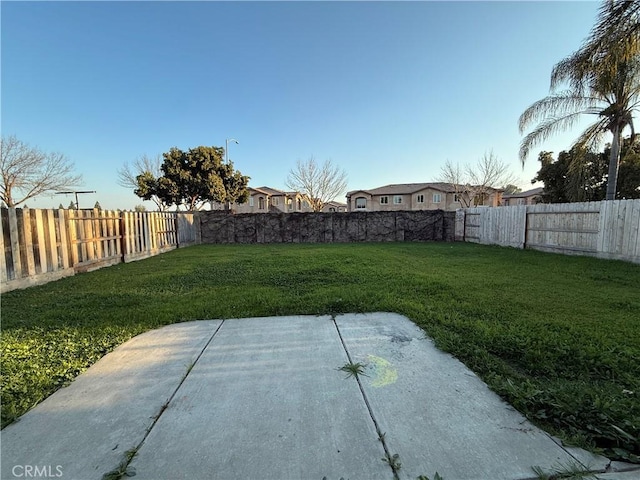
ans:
x=628 y=185
x=511 y=189
x=147 y=187
x=581 y=176
x=97 y=206
x=603 y=79
x=139 y=208
x=194 y=177
x=576 y=176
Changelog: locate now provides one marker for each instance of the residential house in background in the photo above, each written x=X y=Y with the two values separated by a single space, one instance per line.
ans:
x=272 y=200
x=267 y=199
x=415 y=196
x=333 y=206
x=530 y=197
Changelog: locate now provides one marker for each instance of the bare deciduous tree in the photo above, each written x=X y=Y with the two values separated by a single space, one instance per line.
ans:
x=27 y=172
x=143 y=165
x=320 y=183
x=473 y=184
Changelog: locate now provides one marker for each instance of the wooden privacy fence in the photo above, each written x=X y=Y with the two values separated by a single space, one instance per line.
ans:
x=607 y=229
x=43 y=245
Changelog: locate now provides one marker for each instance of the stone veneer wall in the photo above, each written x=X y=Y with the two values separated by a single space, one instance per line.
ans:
x=426 y=225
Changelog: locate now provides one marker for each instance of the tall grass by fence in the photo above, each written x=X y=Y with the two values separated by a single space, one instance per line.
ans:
x=39 y=246
x=607 y=229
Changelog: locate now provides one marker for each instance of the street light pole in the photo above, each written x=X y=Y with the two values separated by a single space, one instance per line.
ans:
x=226 y=149
x=226 y=153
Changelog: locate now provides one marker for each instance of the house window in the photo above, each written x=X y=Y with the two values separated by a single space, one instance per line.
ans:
x=361 y=202
x=456 y=198
x=384 y=200
x=261 y=203
x=275 y=201
x=332 y=209
x=420 y=198
x=290 y=203
x=397 y=199
x=437 y=198
x=251 y=201
x=299 y=204
x=305 y=204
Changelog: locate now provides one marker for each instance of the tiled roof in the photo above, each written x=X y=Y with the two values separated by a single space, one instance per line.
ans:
x=529 y=193
x=408 y=188
x=268 y=190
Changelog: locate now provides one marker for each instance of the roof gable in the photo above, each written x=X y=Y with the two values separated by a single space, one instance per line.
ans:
x=407 y=188
x=528 y=193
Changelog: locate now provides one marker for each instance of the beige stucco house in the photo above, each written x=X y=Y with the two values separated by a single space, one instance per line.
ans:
x=529 y=197
x=267 y=199
x=414 y=196
x=272 y=200
x=333 y=206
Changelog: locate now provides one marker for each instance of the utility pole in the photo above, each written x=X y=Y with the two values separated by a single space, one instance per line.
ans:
x=76 y=192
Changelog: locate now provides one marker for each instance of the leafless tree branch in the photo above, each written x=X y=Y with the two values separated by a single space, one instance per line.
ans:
x=473 y=184
x=27 y=172
x=128 y=174
x=320 y=183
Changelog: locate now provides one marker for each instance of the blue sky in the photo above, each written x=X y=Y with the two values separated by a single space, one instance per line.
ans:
x=387 y=90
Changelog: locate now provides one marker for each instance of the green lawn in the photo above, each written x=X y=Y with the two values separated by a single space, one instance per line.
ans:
x=557 y=336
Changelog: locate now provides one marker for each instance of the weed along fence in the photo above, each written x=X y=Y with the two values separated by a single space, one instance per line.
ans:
x=607 y=229
x=44 y=245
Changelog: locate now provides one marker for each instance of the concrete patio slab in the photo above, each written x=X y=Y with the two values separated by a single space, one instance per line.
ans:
x=263 y=398
x=437 y=414
x=266 y=401
x=82 y=431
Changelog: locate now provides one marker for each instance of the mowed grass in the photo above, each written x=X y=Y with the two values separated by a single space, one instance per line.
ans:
x=557 y=336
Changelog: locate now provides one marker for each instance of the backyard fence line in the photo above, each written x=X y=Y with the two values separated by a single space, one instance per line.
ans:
x=607 y=229
x=39 y=246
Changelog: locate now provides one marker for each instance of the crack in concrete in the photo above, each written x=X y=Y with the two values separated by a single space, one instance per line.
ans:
x=124 y=465
x=390 y=459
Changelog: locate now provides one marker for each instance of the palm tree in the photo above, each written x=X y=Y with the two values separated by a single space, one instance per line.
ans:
x=604 y=80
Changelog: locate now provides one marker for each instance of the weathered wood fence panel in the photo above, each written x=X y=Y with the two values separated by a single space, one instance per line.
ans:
x=188 y=230
x=607 y=229
x=39 y=246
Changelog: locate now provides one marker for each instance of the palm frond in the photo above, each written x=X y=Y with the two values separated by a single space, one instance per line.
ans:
x=575 y=70
x=557 y=105
x=613 y=42
x=546 y=129
x=616 y=19
x=591 y=138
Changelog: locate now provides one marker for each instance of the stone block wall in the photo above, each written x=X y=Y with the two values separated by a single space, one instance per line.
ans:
x=425 y=225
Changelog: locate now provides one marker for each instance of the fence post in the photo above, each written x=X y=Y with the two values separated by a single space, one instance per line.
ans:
x=28 y=241
x=63 y=227
x=123 y=235
x=15 y=243
x=460 y=225
x=526 y=226
x=42 y=247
